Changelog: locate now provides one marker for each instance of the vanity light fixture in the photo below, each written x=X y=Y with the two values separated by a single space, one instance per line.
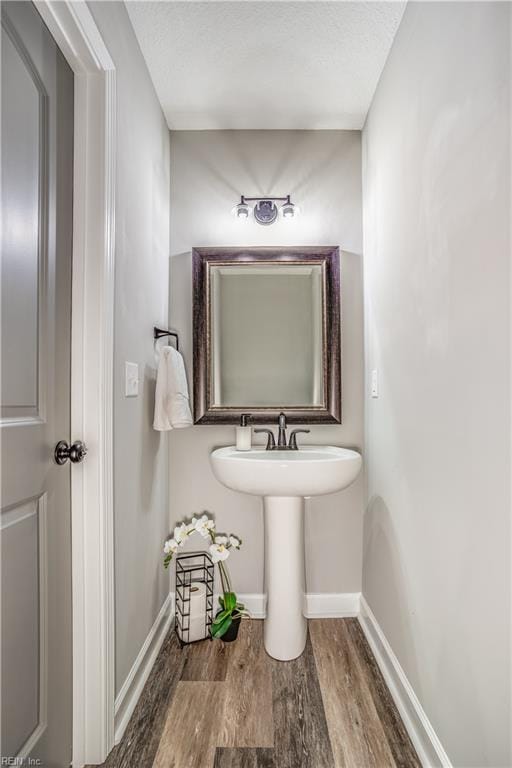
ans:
x=265 y=210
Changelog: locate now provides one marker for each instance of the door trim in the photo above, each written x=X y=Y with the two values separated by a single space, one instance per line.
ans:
x=92 y=338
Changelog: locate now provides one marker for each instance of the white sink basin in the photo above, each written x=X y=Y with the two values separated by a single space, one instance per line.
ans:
x=284 y=478
x=310 y=471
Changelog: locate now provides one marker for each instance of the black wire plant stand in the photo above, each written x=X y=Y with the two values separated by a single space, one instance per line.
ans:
x=192 y=568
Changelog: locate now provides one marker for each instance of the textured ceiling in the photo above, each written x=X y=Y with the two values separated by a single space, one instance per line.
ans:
x=269 y=64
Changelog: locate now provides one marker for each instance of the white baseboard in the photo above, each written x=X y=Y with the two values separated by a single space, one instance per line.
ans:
x=331 y=605
x=429 y=748
x=317 y=605
x=128 y=696
x=256 y=604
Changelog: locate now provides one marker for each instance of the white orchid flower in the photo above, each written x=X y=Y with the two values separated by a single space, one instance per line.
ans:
x=204 y=525
x=181 y=533
x=219 y=552
x=235 y=542
x=170 y=546
x=221 y=539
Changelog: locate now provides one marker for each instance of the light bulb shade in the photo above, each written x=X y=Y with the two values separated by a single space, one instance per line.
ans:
x=241 y=211
x=289 y=210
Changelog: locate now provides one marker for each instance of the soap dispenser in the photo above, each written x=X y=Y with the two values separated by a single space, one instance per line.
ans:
x=243 y=433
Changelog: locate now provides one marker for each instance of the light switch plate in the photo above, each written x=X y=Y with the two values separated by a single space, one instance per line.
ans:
x=131 y=379
x=375 y=383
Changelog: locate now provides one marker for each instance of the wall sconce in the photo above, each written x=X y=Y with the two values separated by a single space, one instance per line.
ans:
x=265 y=210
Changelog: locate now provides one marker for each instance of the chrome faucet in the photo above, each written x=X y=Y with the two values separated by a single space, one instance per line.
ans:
x=281 y=439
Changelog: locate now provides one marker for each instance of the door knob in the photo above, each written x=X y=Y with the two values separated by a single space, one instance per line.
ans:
x=75 y=452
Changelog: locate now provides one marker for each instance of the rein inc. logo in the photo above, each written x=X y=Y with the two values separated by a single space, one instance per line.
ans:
x=20 y=761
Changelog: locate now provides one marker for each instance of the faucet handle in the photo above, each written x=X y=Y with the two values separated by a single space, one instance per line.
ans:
x=292 y=445
x=271 y=442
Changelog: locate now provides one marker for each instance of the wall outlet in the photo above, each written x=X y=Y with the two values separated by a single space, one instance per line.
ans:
x=131 y=379
x=374 y=387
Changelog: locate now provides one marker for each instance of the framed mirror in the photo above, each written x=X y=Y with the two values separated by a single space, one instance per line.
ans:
x=267 y=334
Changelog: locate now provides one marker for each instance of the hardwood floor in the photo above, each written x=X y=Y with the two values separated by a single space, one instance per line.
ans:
x=229 y=705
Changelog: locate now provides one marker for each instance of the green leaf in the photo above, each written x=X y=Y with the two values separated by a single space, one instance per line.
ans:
x=218 y=630
x=221 y=616
x=221 y=602
x=229 y=601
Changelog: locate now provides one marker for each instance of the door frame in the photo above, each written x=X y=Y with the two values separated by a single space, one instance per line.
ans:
x=92 y=343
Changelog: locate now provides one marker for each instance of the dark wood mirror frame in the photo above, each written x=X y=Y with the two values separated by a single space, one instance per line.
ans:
x=329 y=258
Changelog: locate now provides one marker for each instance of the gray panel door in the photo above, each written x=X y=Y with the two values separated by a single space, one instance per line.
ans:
x=35 y=526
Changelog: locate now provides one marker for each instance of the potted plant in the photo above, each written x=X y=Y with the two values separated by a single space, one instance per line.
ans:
x=227 y=620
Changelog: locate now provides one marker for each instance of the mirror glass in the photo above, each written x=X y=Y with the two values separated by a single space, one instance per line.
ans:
x=266 y=335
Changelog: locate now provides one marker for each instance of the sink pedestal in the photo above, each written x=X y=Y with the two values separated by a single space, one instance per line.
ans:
x=285 y=627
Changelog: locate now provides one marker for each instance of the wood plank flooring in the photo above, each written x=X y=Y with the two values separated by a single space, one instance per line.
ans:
x=229 y=705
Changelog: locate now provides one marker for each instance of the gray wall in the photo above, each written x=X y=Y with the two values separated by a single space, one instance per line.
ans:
x=437 y=269
x=322 y=170
x=141 y=300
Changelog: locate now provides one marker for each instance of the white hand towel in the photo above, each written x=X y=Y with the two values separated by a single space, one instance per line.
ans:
x=172 y=407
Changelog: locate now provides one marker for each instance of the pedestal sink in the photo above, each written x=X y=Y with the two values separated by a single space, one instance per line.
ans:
x=284 y=478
